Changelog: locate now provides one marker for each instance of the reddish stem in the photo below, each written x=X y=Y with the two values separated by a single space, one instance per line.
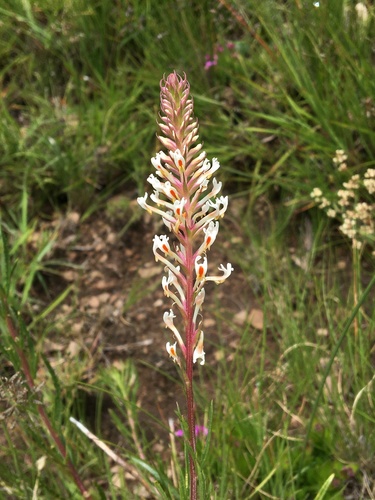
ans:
x=190 y=331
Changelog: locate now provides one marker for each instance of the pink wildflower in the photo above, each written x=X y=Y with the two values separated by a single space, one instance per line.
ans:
x=210 y=62
x=199 y=429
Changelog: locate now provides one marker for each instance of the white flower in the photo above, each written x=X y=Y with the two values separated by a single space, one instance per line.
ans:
x=204 y=209
x=206 y=165
x=211 y=232
x=168 y=320
x=178 y=206
x=316 y=193
x=212 y=170
x=171 y=349
x=142 y=202
x=324 y=202
x=155 y=198
x=170 y=191
x=198 y=351
x=199 y=299
x=362 y=12
x=227 y=271
x=165 y=282
x=201 y=269
x=219 y=212
x=199 y=171
x=156 y=161
x=155 y=183
x=216 y=187
x=220 y=205
x=369 y=185
x=161 y=243
x=165 y=215
x=160 y=170
x=173 y=280
x=178 y=159
x=214 y=191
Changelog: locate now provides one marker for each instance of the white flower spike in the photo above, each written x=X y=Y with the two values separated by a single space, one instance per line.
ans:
x=182 y=174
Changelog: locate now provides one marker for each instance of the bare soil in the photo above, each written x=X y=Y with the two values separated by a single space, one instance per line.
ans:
x=115 y=308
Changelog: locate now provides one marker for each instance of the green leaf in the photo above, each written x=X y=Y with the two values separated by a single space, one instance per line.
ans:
x=323 y=490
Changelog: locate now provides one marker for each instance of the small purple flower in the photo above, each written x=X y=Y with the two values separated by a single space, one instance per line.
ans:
x=210 y=62
x=199 y=429
x=218 y=49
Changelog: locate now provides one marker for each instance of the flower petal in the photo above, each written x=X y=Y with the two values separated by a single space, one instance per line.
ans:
x=198 y=351
x=171 y=349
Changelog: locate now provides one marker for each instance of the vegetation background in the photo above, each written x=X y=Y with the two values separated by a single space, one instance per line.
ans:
x=285 y=95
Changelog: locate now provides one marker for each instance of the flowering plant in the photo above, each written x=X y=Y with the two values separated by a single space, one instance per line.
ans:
x=190 y=209
x=352 y=205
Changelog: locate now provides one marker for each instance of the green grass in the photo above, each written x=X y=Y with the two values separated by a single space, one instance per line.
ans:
x=292 y=405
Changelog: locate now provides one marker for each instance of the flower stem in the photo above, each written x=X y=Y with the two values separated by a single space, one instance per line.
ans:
x=191 y=423
x=190 y=331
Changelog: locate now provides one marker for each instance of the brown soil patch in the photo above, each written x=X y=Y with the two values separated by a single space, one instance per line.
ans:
x=114 y=311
